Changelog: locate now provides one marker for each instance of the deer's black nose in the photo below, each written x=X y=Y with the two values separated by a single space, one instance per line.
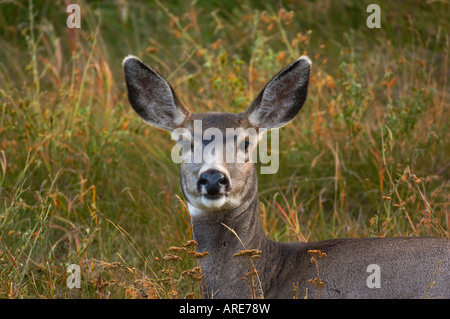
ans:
x=214 y=182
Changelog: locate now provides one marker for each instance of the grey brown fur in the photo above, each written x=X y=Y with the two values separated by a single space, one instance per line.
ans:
x=410 y=267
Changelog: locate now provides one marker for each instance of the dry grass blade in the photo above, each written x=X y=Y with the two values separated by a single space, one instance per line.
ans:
x=256 y=288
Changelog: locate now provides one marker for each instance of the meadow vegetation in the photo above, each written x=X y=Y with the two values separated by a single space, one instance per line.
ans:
x=85 y=181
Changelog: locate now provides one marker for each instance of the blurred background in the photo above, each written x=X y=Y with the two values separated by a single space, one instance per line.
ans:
x=85 y=181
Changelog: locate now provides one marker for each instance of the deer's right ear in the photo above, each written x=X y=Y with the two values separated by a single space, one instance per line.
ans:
x=152 y=97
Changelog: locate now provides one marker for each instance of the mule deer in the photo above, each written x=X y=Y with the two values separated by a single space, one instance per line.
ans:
x=223 y=203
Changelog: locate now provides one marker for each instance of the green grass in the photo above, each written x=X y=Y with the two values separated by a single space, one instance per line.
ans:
x=83 y=180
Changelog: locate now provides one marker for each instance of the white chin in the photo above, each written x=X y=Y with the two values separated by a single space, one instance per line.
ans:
x=200 y=205
x=213 y=204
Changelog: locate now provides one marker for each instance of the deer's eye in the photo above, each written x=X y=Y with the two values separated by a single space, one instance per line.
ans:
x=246 y=144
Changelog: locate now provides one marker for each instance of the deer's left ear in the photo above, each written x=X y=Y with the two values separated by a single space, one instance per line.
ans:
x=282 y=98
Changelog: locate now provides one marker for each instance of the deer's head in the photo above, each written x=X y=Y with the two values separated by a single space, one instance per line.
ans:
x=217 y=172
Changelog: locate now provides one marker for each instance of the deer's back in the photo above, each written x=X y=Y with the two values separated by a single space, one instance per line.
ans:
x=364 y=268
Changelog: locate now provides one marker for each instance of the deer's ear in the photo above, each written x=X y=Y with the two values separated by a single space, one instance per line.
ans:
x=282 y=98
x=152 y=97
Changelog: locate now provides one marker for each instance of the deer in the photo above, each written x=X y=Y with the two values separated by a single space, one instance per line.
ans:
x=222 y=200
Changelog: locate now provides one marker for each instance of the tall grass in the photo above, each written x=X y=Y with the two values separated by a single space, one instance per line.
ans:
x=84 y=181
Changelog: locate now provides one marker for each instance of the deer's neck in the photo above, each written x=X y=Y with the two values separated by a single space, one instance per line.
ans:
x=222 y=235
x=235 y=229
